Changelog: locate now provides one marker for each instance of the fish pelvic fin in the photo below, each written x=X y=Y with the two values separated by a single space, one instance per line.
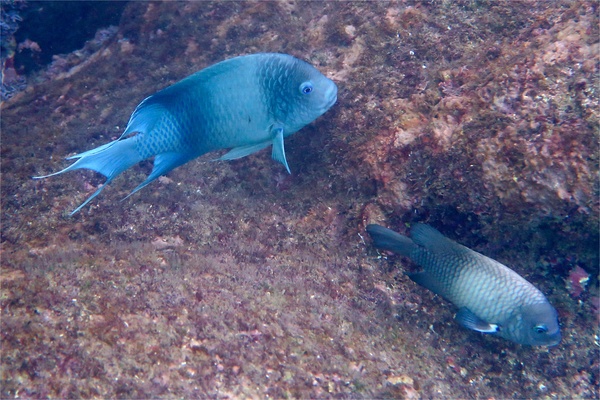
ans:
x=387 y=239
x=242 y=151
x=109 y=160
x=466 y=318
x=278 y=152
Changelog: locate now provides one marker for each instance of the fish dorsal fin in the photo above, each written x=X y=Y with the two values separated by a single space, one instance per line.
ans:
x=145 y=116
x=432 y=240
x=466 y=318
x=243 y=151
x=278 y=152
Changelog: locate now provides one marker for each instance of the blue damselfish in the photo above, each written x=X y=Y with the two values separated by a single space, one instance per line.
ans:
x=490 y=297
x=244 y=104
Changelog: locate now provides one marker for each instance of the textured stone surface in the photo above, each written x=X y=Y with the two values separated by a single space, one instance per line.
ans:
x=233 y=279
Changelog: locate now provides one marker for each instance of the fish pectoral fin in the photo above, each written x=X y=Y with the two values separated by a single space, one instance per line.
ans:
x=243 y=151
x=278 y=152
x=466 y=318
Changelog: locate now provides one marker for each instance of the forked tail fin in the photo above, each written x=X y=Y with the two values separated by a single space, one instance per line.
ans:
x=110 y=160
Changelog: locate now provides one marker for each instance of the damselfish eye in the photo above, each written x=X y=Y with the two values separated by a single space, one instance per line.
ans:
x=306 y=88
x=540 y=329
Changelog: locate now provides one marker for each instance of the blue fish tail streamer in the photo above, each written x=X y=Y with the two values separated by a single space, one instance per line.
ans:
x=109 y=160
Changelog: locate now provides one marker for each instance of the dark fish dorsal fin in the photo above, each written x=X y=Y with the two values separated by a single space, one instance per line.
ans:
x=436 y=243
x=145 y=116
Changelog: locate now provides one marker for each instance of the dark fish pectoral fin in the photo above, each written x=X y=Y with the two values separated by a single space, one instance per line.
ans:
x=466 y=318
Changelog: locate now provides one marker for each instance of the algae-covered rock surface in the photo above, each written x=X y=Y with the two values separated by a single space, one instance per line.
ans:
x=237 y=280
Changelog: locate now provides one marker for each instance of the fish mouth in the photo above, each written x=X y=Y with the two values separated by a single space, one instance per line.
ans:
x=331 y=95
x=554 y=340
x=331 y=102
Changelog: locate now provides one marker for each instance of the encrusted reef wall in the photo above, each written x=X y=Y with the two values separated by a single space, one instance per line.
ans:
x=233 y=279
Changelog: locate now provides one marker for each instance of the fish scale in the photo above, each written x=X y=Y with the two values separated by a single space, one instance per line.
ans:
x=244 y=104
x=491 y=297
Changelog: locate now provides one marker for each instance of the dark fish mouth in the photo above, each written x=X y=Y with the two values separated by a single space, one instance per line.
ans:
x=555 y=340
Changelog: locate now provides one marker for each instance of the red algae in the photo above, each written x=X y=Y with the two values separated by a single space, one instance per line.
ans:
x=229 y=279
x=577 y=281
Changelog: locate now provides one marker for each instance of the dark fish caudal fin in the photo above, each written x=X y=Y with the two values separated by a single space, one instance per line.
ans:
x=109 y=160
x=387 y=239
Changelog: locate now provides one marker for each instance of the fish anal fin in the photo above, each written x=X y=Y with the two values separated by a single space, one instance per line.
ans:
x=466 y=318
x=428 y=282
x=96 y=193
x=163 y=163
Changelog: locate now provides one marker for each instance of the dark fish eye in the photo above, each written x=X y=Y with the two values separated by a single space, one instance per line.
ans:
x=540 y=329
x=306 y=88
